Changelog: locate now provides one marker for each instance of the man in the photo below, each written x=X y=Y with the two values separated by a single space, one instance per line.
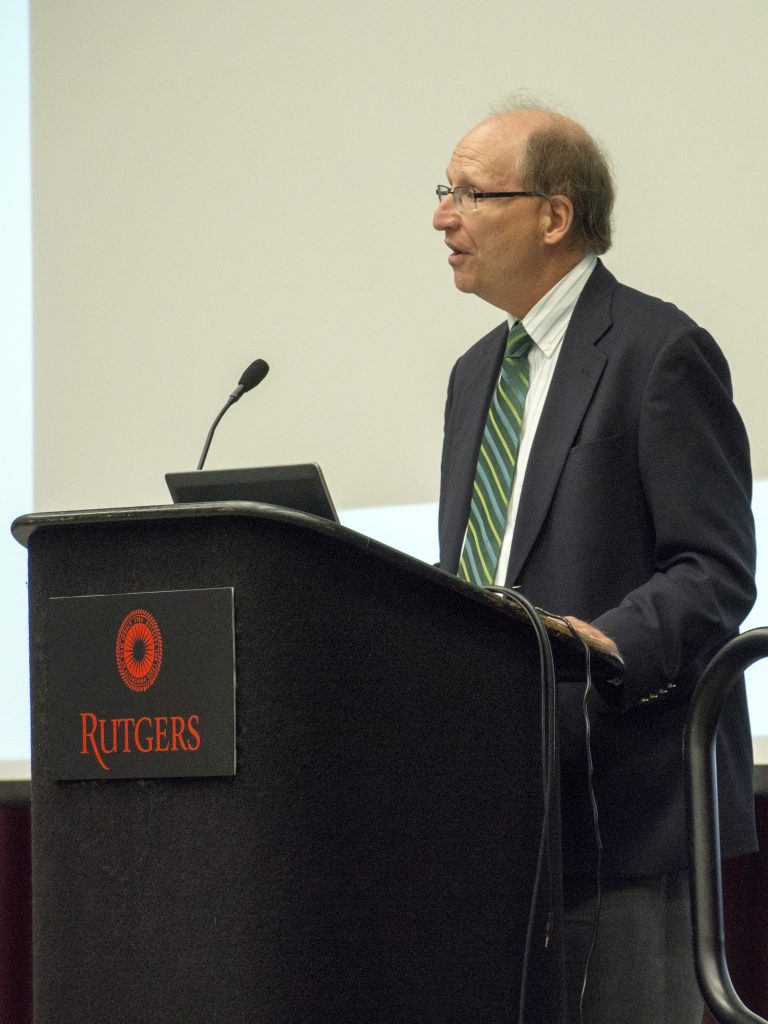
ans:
x=617 y=492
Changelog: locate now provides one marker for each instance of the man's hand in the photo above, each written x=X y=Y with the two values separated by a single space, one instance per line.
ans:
x=594 y=635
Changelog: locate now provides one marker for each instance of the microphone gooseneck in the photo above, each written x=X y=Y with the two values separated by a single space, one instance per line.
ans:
x=252 y=376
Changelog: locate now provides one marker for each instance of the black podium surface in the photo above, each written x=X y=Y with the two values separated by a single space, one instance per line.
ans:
x=372 y=859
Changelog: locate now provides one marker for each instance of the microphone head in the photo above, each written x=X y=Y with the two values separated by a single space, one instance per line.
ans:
x=254 y=375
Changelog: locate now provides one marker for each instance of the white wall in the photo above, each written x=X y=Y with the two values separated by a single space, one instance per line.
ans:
x=216 y=180
x=15 y=373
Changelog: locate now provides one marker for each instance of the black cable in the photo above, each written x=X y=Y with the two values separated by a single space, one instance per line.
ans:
x=548 y=754
x=593 y=801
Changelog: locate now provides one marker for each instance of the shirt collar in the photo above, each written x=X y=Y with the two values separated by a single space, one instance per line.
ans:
x=547 y=320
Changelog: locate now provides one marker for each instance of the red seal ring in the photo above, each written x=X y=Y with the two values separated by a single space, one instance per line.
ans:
x=139 y=650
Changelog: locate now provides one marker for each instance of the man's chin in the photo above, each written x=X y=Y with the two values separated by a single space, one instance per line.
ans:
x=464 y=282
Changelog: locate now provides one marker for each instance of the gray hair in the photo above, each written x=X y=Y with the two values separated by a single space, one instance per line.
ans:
x=562 y=158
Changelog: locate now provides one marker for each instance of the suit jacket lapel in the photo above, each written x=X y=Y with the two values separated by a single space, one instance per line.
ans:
x=578 y=370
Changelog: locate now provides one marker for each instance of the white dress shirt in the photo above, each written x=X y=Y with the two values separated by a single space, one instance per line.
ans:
x=545 y=324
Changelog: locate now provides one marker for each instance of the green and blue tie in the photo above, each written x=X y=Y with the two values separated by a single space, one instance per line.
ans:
x=496 y=464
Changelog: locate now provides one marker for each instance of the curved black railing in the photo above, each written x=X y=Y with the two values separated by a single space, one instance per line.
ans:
x=716 y=683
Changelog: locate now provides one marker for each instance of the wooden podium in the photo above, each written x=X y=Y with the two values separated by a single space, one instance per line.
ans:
x=373 y=858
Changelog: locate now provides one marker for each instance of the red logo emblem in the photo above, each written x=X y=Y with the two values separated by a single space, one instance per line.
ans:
x=139 y=650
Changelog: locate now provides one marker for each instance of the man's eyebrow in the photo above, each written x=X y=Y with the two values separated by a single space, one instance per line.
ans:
x=465 y=183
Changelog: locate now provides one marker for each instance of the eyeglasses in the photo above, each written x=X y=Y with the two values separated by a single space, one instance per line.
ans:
x=466 y=198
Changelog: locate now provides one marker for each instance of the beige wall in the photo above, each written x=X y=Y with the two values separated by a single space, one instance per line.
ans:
x=216 y=180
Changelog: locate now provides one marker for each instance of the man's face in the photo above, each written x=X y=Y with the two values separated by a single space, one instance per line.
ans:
x=496 y=251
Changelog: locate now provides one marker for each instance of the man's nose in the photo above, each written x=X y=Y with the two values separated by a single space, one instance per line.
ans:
x=446 y=215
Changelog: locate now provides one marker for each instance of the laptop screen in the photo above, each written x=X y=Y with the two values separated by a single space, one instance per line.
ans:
x=300 y=487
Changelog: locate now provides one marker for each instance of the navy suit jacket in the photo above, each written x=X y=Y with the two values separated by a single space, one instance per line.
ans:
x=635 y=515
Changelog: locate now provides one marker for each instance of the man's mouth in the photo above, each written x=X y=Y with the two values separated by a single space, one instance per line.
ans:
x=456 y=256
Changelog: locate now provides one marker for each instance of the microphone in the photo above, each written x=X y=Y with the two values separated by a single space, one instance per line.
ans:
x=252 y=376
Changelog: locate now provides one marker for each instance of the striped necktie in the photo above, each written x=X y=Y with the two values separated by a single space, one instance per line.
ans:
x=496 y=464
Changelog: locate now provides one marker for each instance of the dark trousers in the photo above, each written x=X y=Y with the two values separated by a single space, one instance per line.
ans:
x=641 y=970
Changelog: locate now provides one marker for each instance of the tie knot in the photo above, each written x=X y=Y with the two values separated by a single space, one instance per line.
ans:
x=518 y=342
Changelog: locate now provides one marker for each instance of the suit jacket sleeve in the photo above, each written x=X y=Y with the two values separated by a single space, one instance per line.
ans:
x=693 y=462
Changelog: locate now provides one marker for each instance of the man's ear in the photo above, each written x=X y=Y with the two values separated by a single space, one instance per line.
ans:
x=558 y=220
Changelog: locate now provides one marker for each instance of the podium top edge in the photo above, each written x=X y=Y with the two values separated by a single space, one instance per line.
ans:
x=25 y=526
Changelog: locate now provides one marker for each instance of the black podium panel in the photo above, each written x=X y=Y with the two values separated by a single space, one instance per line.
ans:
x=372 y=860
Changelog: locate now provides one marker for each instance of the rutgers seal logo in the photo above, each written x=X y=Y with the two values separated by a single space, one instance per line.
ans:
x=139 y=650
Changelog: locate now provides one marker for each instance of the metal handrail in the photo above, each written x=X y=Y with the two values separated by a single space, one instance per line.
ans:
x=710 y=695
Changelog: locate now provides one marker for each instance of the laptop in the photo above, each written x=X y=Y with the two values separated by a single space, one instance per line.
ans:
x=300 y=487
